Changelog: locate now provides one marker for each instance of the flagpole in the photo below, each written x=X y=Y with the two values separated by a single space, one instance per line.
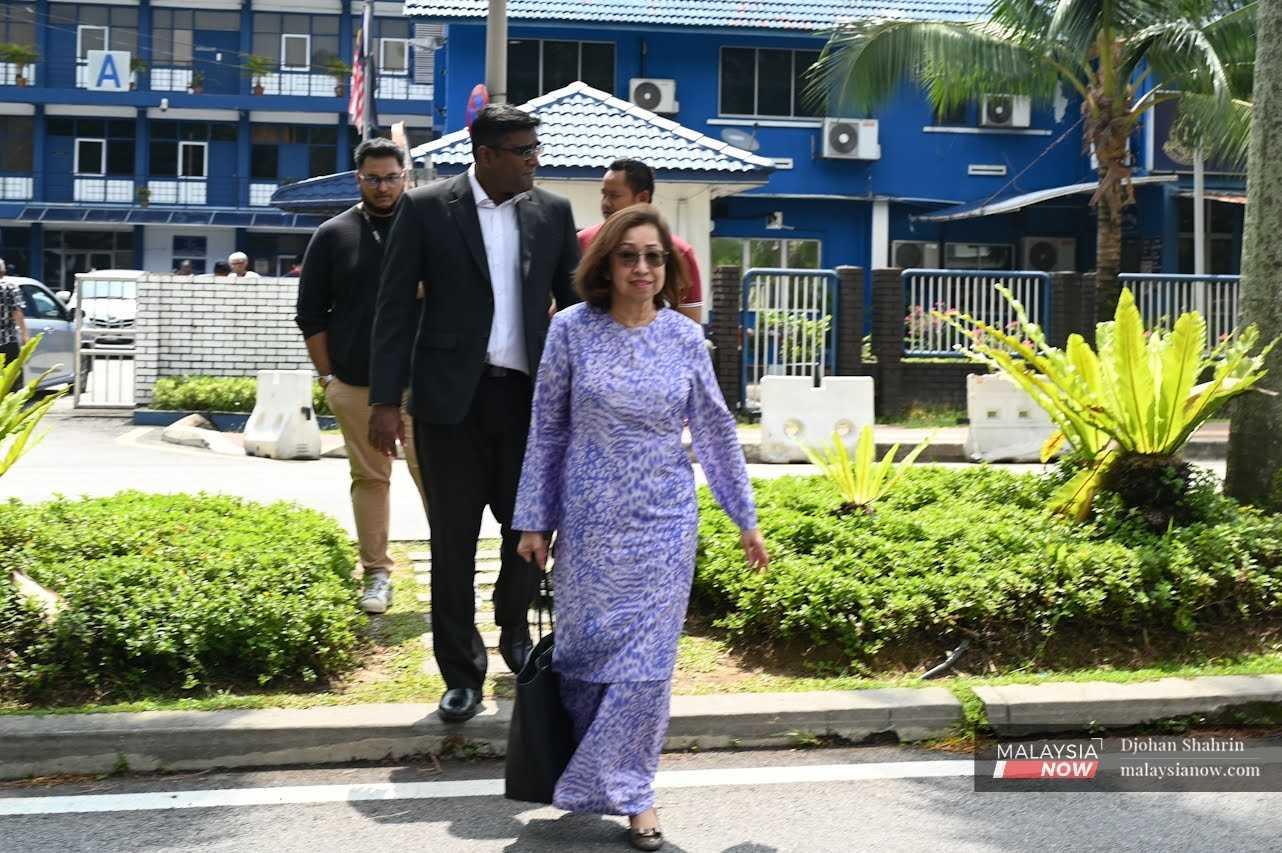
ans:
x=366 y=27
x=496 y=52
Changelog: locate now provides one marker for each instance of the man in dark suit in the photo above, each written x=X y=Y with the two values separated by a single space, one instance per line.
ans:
x=492 y=252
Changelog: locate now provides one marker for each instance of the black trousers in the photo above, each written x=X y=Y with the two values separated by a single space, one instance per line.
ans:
x=465 y=467
x=10 y=352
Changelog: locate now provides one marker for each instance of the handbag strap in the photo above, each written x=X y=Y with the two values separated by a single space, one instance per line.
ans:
x=543 y=602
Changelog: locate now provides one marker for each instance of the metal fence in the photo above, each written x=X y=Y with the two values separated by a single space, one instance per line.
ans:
x=971 y=292
x=106 y=305
x=1163 y=298
x=788 y=325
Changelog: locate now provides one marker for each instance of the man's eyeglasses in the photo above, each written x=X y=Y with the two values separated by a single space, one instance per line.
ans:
x=630 y=257
x=374 y=181
x=523 y=151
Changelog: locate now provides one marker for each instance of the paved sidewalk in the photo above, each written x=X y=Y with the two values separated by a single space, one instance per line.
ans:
x=191 y=740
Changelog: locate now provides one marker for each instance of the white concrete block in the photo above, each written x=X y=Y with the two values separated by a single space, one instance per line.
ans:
x=283 y=424
x=794 y=412
x=1005 y=424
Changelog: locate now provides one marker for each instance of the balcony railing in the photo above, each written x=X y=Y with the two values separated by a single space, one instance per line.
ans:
x=9 y=74
x=303 y=83
x=114 y=190
x=169 y=78
x=260 y=195
x=402 y=89
x=177 y=190
x=82 y=76
x=15 y=188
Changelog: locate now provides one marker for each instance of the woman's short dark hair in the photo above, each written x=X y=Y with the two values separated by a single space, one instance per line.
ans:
x=378 y=147
x=592 y=279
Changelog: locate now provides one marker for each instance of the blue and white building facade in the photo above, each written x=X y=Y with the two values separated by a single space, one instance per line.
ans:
x=177 y=159
x=998 y=184
x=185 y=161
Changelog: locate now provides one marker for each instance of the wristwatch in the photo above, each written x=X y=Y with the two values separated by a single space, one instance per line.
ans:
x=326 y=379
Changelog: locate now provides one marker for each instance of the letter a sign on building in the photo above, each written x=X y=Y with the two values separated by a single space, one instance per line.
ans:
x=108 y=70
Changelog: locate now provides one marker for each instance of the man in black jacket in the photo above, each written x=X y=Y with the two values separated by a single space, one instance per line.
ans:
x=492 y=252
x=336 y=292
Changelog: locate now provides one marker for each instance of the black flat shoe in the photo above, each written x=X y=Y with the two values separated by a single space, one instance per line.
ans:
x=645 y=839
x=515 y=647
x=459 y=704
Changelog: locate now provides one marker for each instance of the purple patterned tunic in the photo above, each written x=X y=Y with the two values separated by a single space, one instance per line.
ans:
x=605 y=468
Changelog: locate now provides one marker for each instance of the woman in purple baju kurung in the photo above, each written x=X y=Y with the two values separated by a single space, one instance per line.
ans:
x=621 y=375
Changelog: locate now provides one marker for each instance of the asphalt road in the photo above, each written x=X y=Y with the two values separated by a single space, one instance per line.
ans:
x=748 y=811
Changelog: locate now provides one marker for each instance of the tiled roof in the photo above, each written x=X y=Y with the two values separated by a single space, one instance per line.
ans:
x=327 y=193
x=587 y=128
x=764 y=14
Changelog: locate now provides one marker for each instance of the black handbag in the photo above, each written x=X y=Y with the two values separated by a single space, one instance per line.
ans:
x=540 y=740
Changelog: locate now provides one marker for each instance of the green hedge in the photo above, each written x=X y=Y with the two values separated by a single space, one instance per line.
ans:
x=972 y=553
x=217 y=394
x=174 y=592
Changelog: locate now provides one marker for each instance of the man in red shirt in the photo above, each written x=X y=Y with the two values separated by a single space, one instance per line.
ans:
x=629 y=182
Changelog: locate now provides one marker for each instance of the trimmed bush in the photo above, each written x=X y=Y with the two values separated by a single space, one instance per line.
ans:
x=175 y=591
x=973 y=553
x=218 y=394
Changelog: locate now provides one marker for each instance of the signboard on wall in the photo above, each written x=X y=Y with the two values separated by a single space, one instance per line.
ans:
x=108 y=71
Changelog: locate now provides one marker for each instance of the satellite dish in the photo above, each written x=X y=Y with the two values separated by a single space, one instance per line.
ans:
x=740 y=139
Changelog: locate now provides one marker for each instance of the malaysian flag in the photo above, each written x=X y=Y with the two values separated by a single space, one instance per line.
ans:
x=360 y=104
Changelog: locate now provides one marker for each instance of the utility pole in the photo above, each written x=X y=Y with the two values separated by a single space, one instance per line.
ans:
x=496 y=52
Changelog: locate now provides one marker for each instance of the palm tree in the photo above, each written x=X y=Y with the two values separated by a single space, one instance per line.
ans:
x=1121 y=57
x=1255 y=453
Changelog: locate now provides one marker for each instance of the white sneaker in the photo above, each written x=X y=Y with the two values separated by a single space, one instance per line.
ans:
x=378 y=594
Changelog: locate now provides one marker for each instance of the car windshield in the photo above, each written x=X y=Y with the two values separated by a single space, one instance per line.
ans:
x=108 y=290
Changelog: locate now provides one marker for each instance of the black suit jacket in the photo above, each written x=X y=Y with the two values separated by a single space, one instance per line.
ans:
x=436 y=238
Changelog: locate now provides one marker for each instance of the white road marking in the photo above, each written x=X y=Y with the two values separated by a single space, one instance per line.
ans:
x=299 y=794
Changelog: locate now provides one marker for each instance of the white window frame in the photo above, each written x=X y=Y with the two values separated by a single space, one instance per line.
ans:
x=382 y=57
x=204 y=146
x=80 y=39
x=102 y=165
x=307 y=40
x=756 y=76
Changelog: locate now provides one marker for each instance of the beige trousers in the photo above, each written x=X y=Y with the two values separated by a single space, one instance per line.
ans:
x=371 y=471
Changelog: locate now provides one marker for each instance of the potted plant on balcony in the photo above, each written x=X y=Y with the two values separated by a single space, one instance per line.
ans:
x=136 y=67
x=341 y=72
x=258 y=67
x=20 y=56
x=144 y=196
x=197 y=82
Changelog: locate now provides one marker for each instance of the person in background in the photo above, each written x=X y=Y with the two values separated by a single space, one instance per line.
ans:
x=222 y=268
x=629 y=182
x=184 y=268
x=239 y=263
x=297 y=269
x=336 y=295
x=622 y=374
x=13 y=323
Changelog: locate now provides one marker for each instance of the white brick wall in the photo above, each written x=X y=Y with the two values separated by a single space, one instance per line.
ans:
x=191 y=327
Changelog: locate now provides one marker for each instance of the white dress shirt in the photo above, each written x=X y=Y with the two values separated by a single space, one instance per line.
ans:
x=502 y=237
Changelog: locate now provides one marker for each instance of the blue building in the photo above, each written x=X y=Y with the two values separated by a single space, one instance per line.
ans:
x=999 y=184
x=220 y=103
x=229 y=100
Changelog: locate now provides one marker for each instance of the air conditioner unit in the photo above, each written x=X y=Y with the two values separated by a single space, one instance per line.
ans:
x=914 y=254
x=1050 y=254
x=851 y=139
x=659 y=96
x=1005 y=111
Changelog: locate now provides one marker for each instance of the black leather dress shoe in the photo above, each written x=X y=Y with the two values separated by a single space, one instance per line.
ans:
x=459 y=704
x=515 y=647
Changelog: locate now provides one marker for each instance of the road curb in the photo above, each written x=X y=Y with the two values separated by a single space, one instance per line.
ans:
x=1015 y=709
x=198 y=740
